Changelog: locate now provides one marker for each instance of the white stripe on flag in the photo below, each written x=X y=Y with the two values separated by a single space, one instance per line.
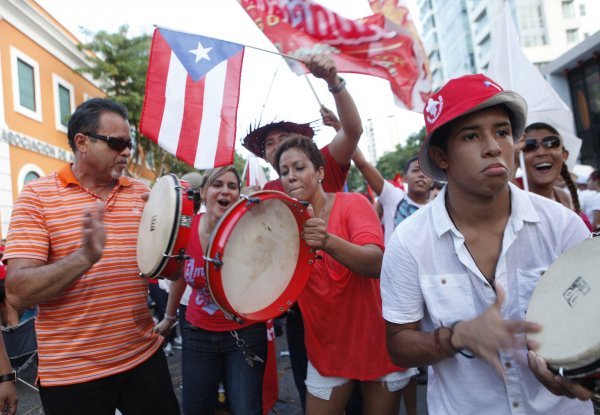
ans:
x=210 y=125
x=170 y=127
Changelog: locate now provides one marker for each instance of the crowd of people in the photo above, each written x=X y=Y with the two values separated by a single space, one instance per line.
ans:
x=436 y=275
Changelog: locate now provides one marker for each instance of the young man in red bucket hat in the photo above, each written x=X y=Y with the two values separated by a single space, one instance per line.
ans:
x=457 y=275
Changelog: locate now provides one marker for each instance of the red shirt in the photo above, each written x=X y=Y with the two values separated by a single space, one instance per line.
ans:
x=334 y=180
x=202 y=311
x=344 y=328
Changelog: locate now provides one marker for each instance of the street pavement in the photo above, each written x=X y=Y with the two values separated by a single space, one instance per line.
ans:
x=288 y=403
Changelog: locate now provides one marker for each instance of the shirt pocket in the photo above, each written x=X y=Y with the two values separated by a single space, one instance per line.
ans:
x=448 y=297
x=526 y=283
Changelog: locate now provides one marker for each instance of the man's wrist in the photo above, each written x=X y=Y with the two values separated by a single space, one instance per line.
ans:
x=9 y=377
x=456 y=340
x=338 y=86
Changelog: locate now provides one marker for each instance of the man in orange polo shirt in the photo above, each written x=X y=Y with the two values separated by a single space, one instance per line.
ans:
x=72 y=250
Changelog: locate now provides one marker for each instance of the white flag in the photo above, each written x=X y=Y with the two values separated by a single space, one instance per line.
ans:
x=510 y=68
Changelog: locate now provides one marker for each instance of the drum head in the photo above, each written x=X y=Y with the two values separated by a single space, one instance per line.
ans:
x=265 y=263
x=565 y=303
x=158 y=227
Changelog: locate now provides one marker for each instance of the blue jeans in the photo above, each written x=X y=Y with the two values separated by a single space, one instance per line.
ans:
x=209 y=356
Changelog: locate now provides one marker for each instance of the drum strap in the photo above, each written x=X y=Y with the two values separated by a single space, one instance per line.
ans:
x=249 y=355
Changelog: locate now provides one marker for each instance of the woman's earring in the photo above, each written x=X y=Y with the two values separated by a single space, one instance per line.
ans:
x=320 y=181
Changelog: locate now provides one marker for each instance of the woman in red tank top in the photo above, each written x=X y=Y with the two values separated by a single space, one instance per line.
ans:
x=341 y=304
x=213 y=347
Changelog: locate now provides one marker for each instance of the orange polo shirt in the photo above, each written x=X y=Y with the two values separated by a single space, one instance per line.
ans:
x=100 y=326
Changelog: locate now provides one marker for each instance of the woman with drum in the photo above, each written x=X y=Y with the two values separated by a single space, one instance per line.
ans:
x=545 y=161
x=213 y=346
x=341 y=304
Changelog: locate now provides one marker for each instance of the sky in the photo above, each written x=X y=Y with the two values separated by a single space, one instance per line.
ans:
x=269 y=90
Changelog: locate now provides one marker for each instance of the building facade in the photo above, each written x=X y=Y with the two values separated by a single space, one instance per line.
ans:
x=457 y=33
x=39 y=89
x=575 y=75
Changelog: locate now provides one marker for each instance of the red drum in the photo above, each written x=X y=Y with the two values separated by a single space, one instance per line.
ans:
x=257 y=263
x=565 y=303
x=165 y=227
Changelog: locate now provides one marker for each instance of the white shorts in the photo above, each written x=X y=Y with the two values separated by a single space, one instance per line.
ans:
x=321 y=386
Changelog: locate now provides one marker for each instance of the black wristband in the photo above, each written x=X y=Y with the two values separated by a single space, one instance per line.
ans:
x=12 y=377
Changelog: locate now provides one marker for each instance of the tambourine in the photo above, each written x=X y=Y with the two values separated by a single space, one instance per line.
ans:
x=257 y=264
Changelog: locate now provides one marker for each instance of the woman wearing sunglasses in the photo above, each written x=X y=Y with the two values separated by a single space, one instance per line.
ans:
x=545 y=160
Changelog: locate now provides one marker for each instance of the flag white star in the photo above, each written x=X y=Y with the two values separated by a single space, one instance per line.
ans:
x=200 y=52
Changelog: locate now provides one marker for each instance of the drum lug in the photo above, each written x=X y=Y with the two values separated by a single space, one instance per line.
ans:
x=180 y=257
x=191 y=194
x=250 y=200
x=317 y=256
x=216 y=261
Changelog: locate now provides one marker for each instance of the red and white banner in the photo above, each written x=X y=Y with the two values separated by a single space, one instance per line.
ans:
x=364 y=46
x=192 y=94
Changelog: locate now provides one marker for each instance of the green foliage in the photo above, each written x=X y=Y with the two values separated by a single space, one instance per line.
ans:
x=355 y=181
x=120 y=63
x=392 y=162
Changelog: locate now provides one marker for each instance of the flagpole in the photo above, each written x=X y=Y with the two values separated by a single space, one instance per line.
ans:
x=241 y=44
x=245 y=170
x=279 y=54
x=274 y=53
x=313 y=90
x=296 y=59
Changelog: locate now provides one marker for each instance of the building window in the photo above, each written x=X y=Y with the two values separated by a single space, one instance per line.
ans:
x=25 y=74
x=27 y=173
x=568 y=8
x=582 y=9
x=65 y=105
x=32 y=175
x=26 y=85
x=64 y=102
x=572 y=36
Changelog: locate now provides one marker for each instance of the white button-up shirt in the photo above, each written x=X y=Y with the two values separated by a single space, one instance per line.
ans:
x=428 y=275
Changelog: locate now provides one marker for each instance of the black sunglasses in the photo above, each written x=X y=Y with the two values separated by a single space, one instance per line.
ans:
x=550 y=142
x=117 y=144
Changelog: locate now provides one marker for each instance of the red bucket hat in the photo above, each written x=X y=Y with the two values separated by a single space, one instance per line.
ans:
x=255 y=139
x=462 y=96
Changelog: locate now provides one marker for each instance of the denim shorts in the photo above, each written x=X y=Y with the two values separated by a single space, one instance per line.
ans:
x=322 y=386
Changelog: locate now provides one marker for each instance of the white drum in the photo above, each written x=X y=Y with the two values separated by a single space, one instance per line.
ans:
x=165 y=227
x=565 y=302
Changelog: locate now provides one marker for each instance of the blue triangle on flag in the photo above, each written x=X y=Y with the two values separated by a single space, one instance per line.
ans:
x=199 y=54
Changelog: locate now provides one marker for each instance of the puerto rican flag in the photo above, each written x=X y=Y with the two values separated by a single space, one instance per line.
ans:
x=192 y=94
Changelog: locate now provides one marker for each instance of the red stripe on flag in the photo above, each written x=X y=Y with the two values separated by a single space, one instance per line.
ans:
x=231 y=95
x=156 y=81
x=192 y=118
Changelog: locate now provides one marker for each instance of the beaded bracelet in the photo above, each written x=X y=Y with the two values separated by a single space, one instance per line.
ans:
x=438 y=343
